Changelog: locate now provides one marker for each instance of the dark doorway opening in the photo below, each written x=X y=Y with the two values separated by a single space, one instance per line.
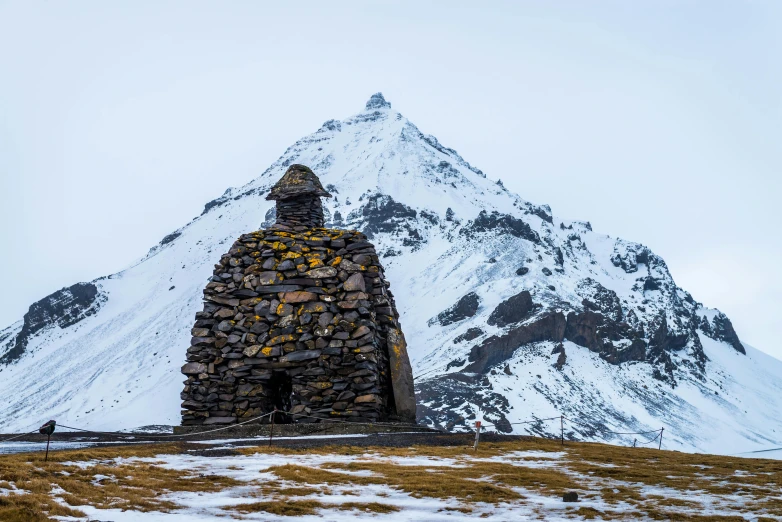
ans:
x=281 y=389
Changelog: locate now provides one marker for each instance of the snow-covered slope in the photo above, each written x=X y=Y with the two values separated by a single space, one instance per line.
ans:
x=488 y=285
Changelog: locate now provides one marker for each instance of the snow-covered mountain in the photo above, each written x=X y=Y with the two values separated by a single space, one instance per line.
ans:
x=509 y=312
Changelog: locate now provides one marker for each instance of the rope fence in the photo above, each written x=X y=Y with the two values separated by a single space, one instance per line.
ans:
x=326 y=421
x=562 y=419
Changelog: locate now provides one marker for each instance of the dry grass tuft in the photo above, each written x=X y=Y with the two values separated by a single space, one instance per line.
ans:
x=137 y=486
x=368 y=507
x=289 y=508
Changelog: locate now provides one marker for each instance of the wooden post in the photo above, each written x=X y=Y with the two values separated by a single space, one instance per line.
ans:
x=477 y=433
x=47 y=429
x=634 y=441
x=562 y=429
x=661 y=438
x=271 y=431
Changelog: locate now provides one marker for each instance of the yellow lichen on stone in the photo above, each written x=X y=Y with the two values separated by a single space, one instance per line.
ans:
x=282 y=339
x=266 y=350
x=337 y=260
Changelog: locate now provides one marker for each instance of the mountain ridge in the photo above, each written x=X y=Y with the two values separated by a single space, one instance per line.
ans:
x=444 y=231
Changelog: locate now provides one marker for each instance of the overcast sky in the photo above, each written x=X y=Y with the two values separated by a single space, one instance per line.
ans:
x=659 y=122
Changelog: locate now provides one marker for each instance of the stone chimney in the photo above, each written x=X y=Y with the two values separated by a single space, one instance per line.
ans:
x=298 y=196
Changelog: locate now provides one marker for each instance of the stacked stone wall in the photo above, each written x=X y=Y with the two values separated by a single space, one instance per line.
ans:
x=295 y=321
x=299 y=214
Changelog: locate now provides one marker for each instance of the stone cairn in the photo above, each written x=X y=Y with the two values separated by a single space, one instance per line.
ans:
x=298 y=318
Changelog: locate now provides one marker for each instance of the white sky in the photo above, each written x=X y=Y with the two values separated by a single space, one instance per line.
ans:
x=658 y=121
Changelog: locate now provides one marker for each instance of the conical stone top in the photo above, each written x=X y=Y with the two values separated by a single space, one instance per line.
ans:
x=297 y=181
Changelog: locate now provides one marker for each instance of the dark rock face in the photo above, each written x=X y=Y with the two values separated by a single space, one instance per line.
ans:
x=600 y=299
x=502 y=223
x=590 y=329
x=598 y=333
x=382 y=214
x=465 y=307
x=582 y=329
x=299 y=319
x=722 y=330
x=543 y=212
x=469 y=335
x=562 y=359
x=629 y=259
x=549 y=326
x=170 y=238
x=512 y=310
x=63 y=308
x=377 y=101
x=435 y=395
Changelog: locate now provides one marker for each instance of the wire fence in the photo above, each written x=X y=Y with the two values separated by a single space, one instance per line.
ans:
x=563 y=419
x=328 y=422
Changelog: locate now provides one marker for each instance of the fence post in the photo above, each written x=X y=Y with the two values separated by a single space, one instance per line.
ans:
x=477 y=433
x=271 y=430
x=634 y=441
x=661 y=438
x=562 y=429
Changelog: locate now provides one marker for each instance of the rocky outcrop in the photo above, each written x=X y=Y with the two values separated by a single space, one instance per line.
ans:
x=628 y=255
x=512 y=310
x=63 y=308
x=598 y=298
x=377 y=101
x=549 y=326
x=381 y=214
x=722 y=330
x=501 y=223
x=469 y=335
x=464 y=308
x=562 y=358
x=437 y=396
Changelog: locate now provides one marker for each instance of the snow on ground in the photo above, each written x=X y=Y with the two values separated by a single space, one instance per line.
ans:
x=254 y=470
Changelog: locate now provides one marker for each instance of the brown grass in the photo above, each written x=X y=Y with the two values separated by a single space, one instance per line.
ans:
x=298 y=508
x=289 y=508
x=615 y=475
x=369 y=507
x=129 y=486
x=612 y=473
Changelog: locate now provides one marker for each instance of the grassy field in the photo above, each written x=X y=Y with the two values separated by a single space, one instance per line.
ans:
x=517 y=480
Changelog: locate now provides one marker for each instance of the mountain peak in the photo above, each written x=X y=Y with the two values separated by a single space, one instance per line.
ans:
x=377 y=101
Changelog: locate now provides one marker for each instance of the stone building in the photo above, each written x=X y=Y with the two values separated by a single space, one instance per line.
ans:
x=298 y=318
